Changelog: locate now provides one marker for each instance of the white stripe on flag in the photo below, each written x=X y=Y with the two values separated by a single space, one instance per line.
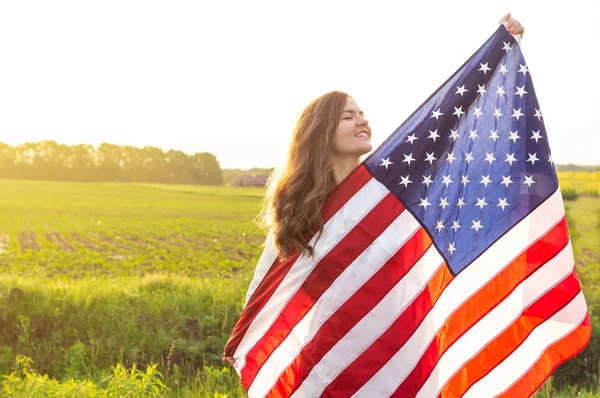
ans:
x=335 y=229
x=467 y=283
x=498 y=319
x=372 y=325
x=267 y=258
x=357 y=273
x=527 y=354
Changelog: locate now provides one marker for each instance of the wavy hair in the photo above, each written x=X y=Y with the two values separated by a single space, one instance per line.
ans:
x=295 y=193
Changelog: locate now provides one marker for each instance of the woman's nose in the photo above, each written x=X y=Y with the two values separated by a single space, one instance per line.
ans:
x=362 y=120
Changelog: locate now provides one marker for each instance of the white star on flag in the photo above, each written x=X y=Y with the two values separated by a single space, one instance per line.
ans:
x=439 y=225
x=450 y=157
x=444 y=203
x=523 y=69
x=469 y=157
x=517 y=113
x=436 y=114
x=447 y=180
x=481 y=202
x=451 y=248
x=427 y=180
x=425 y=203
x=455 y=225
x=433 y=135
x=461 y=90
x=494 y=135
x=529 y=181
x=405 y=181
x=536 y=135
x=521 y=91
x=476 y=225
x=386 y=162
x=514 y=135
x=510 y=158
x=502 y=203
x=458 y=111
x=506 y=180
x=485 y=180
x=430 y=158
x=532 y=158
x=411 y=138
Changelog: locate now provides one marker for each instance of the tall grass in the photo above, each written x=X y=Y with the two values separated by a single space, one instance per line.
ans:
x=171 y=325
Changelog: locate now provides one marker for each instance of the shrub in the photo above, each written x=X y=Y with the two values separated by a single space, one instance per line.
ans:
x=569 y=194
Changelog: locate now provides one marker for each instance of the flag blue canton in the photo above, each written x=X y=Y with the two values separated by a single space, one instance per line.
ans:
x=473 y=160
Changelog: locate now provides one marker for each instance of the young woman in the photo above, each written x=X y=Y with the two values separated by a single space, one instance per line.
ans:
x=326 y=146
x=327 y=143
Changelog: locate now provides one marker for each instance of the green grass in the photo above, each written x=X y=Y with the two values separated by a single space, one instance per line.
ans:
x=126 y=229
x=101 y=281
x=583 y=215
x=103 y=273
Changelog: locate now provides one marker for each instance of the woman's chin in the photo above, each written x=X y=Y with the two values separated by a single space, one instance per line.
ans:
x=367 y=148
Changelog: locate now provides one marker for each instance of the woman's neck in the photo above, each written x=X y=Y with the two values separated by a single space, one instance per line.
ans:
x=343 y=166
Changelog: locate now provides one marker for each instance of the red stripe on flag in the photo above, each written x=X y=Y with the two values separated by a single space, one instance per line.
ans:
x=511 y=338
x=554 y=355
x=337 y=198
x=279 y=269
x=319 y=280
x=351 y=312
x=486 y=299
x=387 y=345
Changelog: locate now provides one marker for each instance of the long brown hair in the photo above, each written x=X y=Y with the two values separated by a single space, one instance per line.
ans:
x=295 y=193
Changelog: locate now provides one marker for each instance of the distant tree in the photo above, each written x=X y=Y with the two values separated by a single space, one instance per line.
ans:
x=576 y=167
x=109 y=163
x=8 y=157
x=206 y=168
x=48 y=160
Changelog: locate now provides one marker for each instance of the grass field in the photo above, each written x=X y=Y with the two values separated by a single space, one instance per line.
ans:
x=97 y=278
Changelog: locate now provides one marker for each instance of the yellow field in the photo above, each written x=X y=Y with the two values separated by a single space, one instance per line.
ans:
x=581 y=181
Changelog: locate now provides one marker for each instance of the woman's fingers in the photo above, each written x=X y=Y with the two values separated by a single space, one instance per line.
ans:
x=512 y=25
x=516 y=28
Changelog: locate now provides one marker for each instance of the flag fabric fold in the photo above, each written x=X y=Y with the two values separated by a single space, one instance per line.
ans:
x=445 y=267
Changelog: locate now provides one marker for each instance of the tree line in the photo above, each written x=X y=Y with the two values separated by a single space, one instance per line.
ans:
x=48 y=160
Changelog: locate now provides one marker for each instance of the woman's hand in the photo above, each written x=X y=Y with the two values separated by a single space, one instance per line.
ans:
x=514 y=27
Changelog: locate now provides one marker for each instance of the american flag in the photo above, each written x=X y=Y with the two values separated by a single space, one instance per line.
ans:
x=445 y=266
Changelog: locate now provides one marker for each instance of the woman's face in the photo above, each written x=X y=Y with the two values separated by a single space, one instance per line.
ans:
x=353 y=134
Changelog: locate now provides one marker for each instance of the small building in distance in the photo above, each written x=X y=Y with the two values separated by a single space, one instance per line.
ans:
x=250 y=181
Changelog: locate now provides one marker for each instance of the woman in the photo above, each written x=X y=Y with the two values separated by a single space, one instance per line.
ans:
x=327 y=143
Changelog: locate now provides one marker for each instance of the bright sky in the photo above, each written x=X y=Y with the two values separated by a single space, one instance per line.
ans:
x=231 y=77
